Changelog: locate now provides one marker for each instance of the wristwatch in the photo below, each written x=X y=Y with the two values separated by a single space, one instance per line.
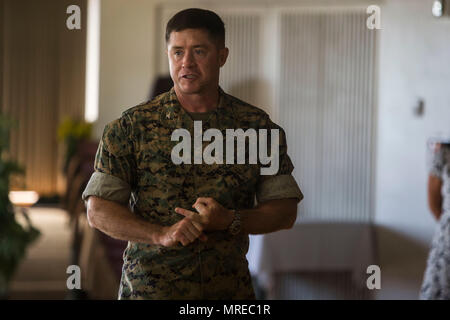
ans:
x=235 y=227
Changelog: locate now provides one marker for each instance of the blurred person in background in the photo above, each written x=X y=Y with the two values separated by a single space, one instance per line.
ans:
x=436 y=282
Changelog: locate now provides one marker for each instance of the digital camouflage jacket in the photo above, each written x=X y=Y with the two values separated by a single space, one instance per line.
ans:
x=133 y=165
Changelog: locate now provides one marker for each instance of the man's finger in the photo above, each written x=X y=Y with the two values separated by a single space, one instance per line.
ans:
x=193 y=229
x=198 y=231
x=204 y=200
x=189 y=214
x=200 y=207
x=186 y=213
x=198 y=226
x=184 y=241
x=189 y=235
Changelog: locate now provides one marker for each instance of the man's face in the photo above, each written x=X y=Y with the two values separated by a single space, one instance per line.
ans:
x=194 y=61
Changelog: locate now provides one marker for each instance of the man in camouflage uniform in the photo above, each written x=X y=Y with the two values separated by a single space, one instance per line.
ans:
x=187 y=224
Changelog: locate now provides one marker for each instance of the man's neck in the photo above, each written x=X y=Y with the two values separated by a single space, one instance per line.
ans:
x=198 y=102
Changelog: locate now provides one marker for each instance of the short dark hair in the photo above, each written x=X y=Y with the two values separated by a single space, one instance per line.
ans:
x=195 y=18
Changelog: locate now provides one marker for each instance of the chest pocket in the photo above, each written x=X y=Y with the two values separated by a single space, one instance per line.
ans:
x=158 y=170
x=231 y=185
x=161 y=183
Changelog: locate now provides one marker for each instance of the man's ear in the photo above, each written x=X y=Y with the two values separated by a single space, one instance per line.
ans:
x=223 y=55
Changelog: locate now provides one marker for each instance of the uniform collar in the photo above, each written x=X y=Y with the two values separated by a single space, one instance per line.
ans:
x=174 y=116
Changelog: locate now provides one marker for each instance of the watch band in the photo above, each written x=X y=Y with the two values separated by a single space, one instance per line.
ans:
x=235 y=227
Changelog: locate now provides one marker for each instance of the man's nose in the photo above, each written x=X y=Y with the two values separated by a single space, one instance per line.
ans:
x=188 y=60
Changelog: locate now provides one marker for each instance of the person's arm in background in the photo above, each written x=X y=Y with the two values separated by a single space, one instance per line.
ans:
x=434 y=196
x=435 y=181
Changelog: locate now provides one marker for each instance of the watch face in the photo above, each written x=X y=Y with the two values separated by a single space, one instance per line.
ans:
x=234 y=230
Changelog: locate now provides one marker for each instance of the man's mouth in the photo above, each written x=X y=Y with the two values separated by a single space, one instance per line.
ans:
x=189 y=76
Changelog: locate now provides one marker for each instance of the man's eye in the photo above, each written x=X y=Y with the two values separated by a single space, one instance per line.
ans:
x=177 y=53
x=200 y=52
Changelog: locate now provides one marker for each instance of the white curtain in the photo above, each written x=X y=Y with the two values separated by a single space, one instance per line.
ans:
x=42 y=81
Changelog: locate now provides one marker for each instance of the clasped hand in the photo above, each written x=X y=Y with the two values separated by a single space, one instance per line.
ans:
x=210 y=216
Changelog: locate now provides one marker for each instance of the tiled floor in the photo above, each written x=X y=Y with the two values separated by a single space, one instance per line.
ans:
x=42 y=274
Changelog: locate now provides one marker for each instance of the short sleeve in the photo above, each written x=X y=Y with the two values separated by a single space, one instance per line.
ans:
x=437 y=163
x=282 y=184
x=115 y=165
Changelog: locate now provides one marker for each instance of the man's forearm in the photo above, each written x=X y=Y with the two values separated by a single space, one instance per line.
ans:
x=269 y=216
x=119 y=222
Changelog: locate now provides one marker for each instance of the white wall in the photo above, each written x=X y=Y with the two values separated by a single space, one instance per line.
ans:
x=128 y=48
x=414 y=62
x=126 y=57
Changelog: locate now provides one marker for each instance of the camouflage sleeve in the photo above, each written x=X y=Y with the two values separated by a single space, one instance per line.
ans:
x=115 y=166
x=281 y=185
x=278 y=187
x=437 y=163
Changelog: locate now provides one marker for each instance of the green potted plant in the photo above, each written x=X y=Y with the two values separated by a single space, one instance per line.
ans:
x=14 y=238
x=72 y=132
